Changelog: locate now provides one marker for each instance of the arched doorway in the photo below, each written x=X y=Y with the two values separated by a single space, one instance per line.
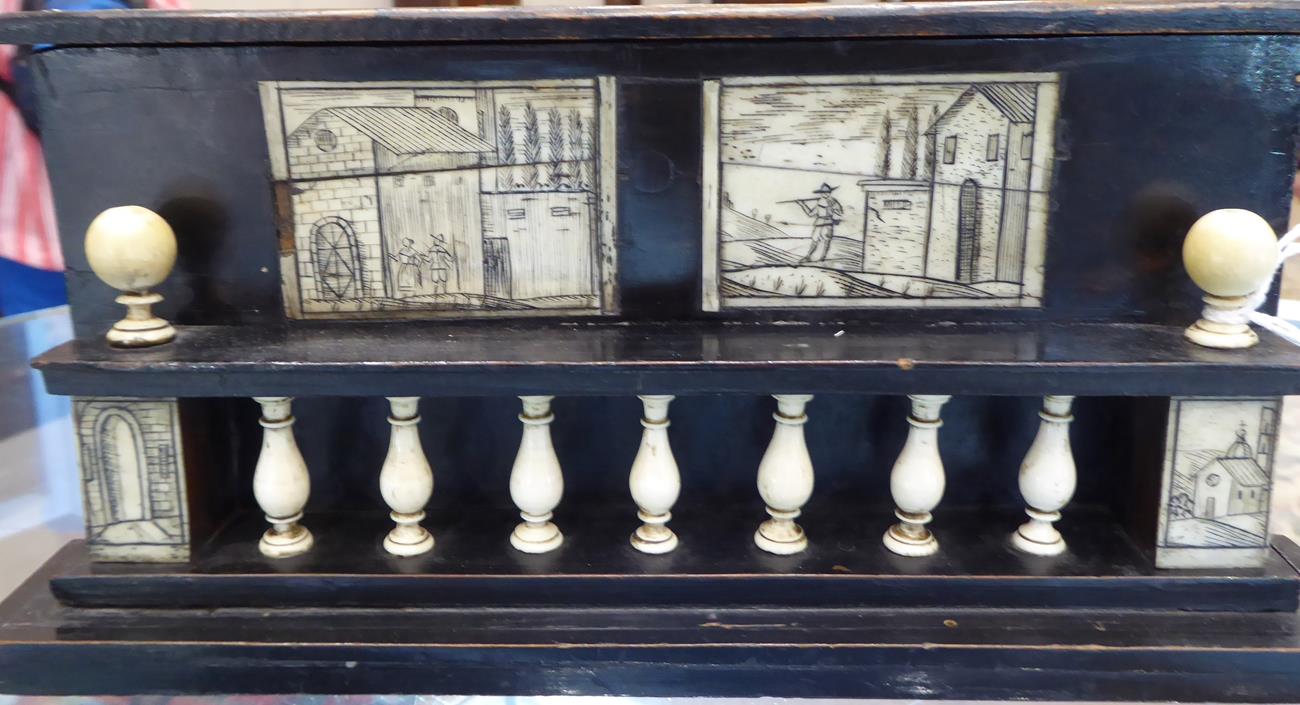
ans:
x=968 y=231
x=337 y=259
x=119 y=448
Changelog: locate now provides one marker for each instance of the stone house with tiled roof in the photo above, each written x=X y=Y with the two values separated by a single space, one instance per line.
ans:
x=983 y=150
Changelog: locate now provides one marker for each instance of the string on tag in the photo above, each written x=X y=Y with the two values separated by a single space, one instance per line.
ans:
x=1248 y=312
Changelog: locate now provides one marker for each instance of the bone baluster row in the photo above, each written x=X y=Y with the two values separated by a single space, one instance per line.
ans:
x=282 y=485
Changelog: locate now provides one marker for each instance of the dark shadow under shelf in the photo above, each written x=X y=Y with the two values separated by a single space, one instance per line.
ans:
x=429 y=359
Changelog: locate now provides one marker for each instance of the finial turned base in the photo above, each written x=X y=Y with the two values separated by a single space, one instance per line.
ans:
x=1222 y=324
x=140 y=328
x=1223 y=336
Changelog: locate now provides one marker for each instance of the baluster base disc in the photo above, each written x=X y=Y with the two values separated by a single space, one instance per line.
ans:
x=1037 y=548
x=396 y=546
x=897 y=541
x=786 y=544
x=657 y=545
x=534 y=538
x=140 y=334
x=294 y=542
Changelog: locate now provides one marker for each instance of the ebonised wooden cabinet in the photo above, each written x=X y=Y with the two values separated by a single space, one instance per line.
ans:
x=1001 y=192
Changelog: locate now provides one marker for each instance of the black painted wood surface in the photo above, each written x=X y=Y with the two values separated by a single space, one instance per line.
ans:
x=1168 y=110
x=1023 y=18
x=946 y=653
x=716 y=565
x=1143 y=149
x=412 y=359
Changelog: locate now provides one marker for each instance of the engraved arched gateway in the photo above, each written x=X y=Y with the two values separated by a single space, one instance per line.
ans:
x=337 y=259
x=123 y=468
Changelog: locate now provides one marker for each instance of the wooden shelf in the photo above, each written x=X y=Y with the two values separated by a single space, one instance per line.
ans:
x=949 y=653
x=717 y=564
x=428 y=359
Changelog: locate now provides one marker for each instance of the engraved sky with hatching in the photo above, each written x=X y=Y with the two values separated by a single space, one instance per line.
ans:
x=835 y=128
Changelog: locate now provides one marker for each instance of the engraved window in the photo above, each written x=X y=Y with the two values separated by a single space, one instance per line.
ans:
x=1213 y=479
x=899 y=204
x=950 y=150
x=562 y=211
x=337 y=259
x=991 y=148
x=326 y=140
x=1027 y=145
x=516 y=213
x=449 y=114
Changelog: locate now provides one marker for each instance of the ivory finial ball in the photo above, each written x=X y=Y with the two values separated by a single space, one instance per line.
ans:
x=131 y=248
x=1230 y=252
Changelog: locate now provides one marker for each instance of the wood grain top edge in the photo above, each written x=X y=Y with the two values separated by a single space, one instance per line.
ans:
x=1011 y=18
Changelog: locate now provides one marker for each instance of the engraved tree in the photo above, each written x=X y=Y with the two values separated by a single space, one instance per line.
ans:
x=532 y=148
x=886 y=147
x=580 y=146
x=555 y=138
x=506 y=144
x=930 y=143
x=909 y=143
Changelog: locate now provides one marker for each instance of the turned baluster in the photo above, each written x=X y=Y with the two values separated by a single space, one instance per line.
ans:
x=406 y=480
x=536 y=480
x=281 y=484
x=654 y=480
x=917 y=480
x=1047 y=479
x=785 y=478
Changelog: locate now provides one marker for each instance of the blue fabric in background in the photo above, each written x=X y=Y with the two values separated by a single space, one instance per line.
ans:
x=24 y=288
x=80 y=6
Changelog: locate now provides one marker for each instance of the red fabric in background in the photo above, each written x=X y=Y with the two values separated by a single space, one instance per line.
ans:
x=28 y=231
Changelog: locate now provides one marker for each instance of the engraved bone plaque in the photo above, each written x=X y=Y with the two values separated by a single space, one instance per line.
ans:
x=869 y=191
x=444 y=199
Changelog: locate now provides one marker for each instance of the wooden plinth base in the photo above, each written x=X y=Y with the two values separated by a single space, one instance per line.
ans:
x=985 y=654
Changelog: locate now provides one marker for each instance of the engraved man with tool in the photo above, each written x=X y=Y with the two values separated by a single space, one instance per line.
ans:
x=825 y=211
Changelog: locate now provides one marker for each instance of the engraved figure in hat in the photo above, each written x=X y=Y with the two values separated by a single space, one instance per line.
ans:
x=825 y=211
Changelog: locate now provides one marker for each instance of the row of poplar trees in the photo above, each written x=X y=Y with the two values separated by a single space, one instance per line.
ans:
x=556 y=158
